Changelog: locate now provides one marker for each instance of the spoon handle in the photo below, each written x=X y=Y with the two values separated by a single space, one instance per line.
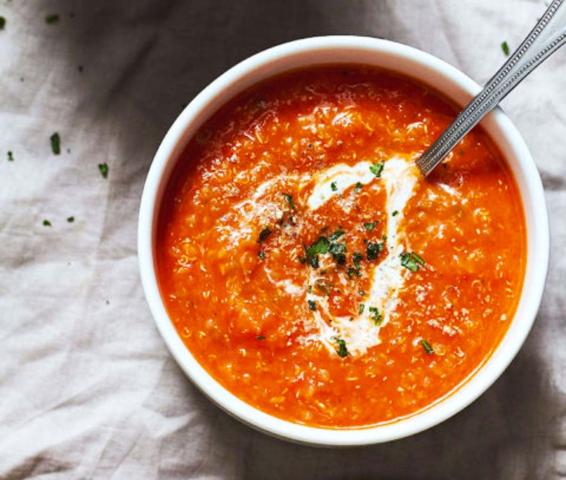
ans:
x=548 y=35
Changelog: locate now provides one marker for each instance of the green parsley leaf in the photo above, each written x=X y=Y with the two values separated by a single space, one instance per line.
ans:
x=357 y=257
x=319 y=247
x=53 y=18
x=55 y=140
x=263 y=235
x=46 y=223
x=361 y=308
x=370 y=226
x=10 y=156
x=395 y=213
x=334 y=187
x=411 y=261
x=375 y=315
x=290 y=201
x=336 y=235
x=358 y=187
x=354 y=272
x=314 y=261
x=103 y=168
x=70 y=219
x=337 y=248
x=2 y=23
x=312 y=305
x=505 y=48
x=427 y=347
x=261 y=255
x=342 y=350
x=338 y=251
x=373 y=250
x=377 y=168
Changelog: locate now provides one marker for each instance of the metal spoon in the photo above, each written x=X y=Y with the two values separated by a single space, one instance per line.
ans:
x=548 y=35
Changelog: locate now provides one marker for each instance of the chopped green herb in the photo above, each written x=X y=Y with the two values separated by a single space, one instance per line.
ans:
x=319 y=247
x=70 y=219
x=336 y=235
x=312 y=305
x=377 y=168
x=46 y=223
x=354 y=272
x=361 y=308
x=290 y=201
x=358 y=187
x=338 y=252
x=370 y=226
x=53 y=18
x=395 y=213
x=55 y=143
x=261 y=255
x=2 y=23
x=334 y=187
x=303 y=260
x=427 y=347
x=337 y=248
x=342 y=350
x=263 y=235
x=411 y=261
x=373 y=250
x=375 y=315
x=505 y=48
x=260 y=338
x=103 y=168
x=357 y=257
x=10 y=156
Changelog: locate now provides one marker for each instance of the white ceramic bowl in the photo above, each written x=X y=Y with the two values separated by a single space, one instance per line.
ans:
x=405 y=60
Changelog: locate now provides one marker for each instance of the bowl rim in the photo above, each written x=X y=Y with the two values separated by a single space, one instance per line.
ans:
x=471 y=388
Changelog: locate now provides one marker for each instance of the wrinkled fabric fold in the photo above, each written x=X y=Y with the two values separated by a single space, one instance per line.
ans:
x=87 y=387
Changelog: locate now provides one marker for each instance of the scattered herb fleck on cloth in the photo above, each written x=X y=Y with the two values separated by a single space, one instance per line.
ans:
x=53 y=18
x=55 y=140
x=103 y=168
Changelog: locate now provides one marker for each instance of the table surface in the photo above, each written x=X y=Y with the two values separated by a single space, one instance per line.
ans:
x=87 y=387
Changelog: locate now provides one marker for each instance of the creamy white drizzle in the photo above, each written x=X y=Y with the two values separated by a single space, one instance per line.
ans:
x=400 y=177
x=340 y=176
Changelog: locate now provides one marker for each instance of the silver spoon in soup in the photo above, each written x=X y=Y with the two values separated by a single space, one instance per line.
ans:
x=548 y=35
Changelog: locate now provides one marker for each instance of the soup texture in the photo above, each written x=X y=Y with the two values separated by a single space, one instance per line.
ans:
x=311 y=269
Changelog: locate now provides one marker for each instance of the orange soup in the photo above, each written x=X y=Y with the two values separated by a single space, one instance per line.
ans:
x=311 y=269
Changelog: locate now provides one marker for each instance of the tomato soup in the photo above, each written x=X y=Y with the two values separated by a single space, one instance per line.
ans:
x=311 y=269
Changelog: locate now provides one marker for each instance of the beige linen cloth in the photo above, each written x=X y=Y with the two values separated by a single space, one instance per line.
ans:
x=87 y=387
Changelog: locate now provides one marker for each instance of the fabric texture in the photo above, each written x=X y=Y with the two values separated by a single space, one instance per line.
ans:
x=87 y=387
